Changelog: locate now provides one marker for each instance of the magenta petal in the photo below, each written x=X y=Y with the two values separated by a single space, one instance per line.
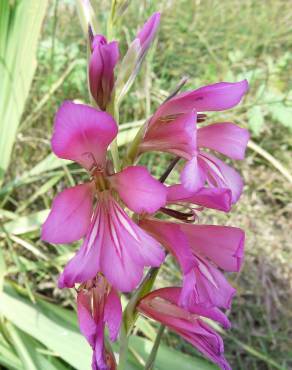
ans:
x=216 y=97
x=82 y=134
x=98 y=357
x=221 y=175
x=208 y=342
x=102 y=63
x=87 y=324
x=148 y=31
x=172 y=238
x=203 y=283
x=86 y=262
x=219 y=96
x=214 y=198
x=113 y=314
x=212 y=313
x=193 y=176
x=176 y=136
x=221 y=244
x=226 y=138
x=162 y=305
x=115 y=240
x=70 y=216
x=127 y=248
x=139 y=190
x=207 y=286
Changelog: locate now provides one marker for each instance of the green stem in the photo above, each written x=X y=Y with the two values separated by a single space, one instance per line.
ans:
x=134 y=146
x=130 y=314
x=114 y=111
x=124 y=342
x=151 y=359
x=111 y=19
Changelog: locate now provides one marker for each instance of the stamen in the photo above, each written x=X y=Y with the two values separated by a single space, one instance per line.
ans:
x=183 y=216
x=201 y=117
x=90 y=35
x=169 y=169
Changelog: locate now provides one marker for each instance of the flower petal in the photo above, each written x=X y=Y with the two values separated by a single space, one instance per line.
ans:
x=214 y=198
x=176 y=136
x=173 y=295
x=113 y=314
x=70 y=216
x=87 y=324
x=203 y=283
x=86 y=262
x=172 y=238
x=215 y=97
x=226 y=138
x=221 y=175
x=162 y=305
x=206 y=285
x=82 y=134
x=115 y=240
x=99 y=353
x=139 y=190
x=126 y=247
x=193 y=176
x=221 y=244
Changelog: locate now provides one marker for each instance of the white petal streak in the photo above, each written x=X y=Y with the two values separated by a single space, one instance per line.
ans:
x=124 y=220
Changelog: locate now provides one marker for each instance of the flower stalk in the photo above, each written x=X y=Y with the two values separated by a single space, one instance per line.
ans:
x=151 y=359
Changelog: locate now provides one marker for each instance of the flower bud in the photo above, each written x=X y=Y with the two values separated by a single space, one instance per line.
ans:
x=103 y=59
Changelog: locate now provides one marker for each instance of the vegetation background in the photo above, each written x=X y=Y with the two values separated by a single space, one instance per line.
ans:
x=207 y=40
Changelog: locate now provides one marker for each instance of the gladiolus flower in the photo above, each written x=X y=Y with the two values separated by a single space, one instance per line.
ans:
x=103 y=59
x=113 y=244
x=200 y=249
x=98 y=304
x=173 y=129
x=162 y=305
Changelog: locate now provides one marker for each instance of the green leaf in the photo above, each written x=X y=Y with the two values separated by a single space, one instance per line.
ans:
x=26 y=224
x=37 y=321
x=282 y=114
x=8 y=357
x=31 y=353
x=2 y=270
x=22 y=348
x=255 y=119
x=51 y=162
x=168 y=358
x=20 y=28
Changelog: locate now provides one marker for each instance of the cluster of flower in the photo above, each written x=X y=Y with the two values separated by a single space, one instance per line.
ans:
x=118 y=212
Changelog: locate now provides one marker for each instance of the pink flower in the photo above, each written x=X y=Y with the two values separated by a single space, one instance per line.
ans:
x=98 y=304
x=103 y=60
x=173 y=129
x=162 y=305
x=113 y=244
x=200 y=249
